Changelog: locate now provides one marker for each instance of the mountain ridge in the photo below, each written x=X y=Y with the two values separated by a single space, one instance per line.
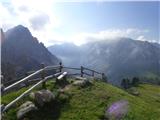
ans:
x=119 y=58
x=21 y=52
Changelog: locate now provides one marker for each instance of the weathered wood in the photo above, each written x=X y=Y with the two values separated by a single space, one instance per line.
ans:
x=97 y=72
x=104 y=78
x=28 y=91
x=87 y=74
x=92 y=70
x=87 y=69
x=58 y=76
x=22 y=80
x=93 y=73
x=21 y=96
x=43 y=76
x=62 y=75
x=73 y=74
x=82 y=71
x=55 y=67
x=60 y=68
x=72 y=68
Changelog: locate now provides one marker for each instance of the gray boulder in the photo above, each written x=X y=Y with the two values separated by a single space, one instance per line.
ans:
x=41 y=97
x=134 y=91
x=80 y=78
x=25 y=108
x=82 y=83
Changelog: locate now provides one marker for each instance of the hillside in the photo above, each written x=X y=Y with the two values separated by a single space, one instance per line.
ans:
x=90 y=103
x=118 y=58
x=22 y=52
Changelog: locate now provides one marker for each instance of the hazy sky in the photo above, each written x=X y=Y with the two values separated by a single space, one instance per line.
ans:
x=56 y=22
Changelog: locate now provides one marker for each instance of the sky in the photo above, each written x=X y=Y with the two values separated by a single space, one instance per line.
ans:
x=54 y=22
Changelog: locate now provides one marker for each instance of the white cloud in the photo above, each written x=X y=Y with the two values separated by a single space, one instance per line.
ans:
x=38 y=22
x=39 y=17
x=110 y=34
x=142 y=38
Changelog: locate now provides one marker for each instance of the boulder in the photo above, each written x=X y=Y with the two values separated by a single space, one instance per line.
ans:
x=80 y=78
x=25 y=108
x=65 y=89
x=82 y=83
x=41 y=97
x=134 y=91
x=63 y=97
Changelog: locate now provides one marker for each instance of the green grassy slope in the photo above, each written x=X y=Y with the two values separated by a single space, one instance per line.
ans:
x=91 y=102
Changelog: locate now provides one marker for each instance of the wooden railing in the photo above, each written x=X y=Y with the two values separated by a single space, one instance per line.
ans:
x=58 y=75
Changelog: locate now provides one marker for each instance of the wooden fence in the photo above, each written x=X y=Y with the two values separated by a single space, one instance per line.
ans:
x=58 y=75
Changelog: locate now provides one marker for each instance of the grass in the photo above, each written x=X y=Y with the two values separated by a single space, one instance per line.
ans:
x=90 y=103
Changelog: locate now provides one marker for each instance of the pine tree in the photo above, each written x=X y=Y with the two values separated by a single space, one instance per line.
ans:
x=123 y=83
x=135 y=81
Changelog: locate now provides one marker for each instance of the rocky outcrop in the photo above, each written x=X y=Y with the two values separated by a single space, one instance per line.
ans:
x=41 y=97
x=82 y=83
x=25 y=108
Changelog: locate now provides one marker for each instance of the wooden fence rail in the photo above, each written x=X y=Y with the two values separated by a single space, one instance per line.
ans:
x=28 y=91
x=42 y=71
x=72 y=68
x=20 y=81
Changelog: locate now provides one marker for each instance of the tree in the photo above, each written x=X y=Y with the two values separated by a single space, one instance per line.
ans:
x=125 y=83
x=135 y=81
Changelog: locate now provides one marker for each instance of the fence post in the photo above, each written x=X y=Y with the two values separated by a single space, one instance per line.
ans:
x=82 y=71
x=104 y=78
x=93 y=73
x=43 y=76
x=60 y=68
x=27 y=81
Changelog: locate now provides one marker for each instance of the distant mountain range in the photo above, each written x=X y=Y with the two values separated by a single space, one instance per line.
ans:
x=21 y=52
x=118 y=58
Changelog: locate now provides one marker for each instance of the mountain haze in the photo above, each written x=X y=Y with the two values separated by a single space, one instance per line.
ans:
x=118 y=58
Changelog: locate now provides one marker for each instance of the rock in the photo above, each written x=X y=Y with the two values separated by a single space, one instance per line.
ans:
x=43 y=96
x=80 y=78
x=82 y=83
x=63 y=97
x=134 y=91
x=25 y=108
x=65 y=89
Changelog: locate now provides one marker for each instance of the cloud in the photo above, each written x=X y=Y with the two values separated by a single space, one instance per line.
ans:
x=37 y=16
x=39 y=21
x=142 y=38
x=24 y=8
x=110 y=34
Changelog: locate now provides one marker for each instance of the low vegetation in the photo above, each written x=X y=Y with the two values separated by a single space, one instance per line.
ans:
x=91 y=102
